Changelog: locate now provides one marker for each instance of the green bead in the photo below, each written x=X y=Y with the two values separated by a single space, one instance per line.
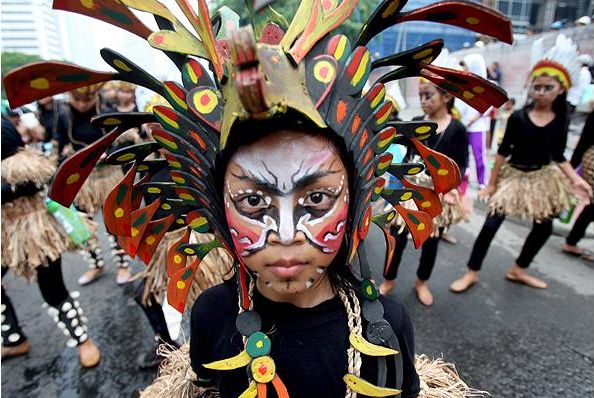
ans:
x=258 y=345
x=369 y=290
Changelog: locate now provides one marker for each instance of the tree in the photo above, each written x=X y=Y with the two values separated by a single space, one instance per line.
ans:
x=12 y=60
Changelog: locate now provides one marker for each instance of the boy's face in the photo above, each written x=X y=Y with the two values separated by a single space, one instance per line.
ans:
x=286 y=201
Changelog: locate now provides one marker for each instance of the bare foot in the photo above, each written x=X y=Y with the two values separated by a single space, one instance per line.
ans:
x=15 y=350
x=423 y=293
x=519 y=275
x=467 y=280
x=123 y=275
x=387 y=286
x=577 y=252
x=90 y=276
x=89 y=354
x=449 y=238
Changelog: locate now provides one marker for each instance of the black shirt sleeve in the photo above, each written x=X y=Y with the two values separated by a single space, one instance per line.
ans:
x=513 y=124
x=586 y=140
x=202 y=313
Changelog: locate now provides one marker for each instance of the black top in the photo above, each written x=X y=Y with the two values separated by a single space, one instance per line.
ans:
x=75 y=128
x=308 y=344
x=11 y=144
x=585 y=142
x=531 y=146
x=50 y=119
x=453 y=143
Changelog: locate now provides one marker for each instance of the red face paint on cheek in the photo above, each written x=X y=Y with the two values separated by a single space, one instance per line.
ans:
x=332 y=232
x=243 y=236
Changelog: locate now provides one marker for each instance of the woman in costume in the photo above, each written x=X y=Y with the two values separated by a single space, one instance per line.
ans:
x=295 y=222
x=583 y=156
x=531 y=177
x=451 y=140
x=32 y=247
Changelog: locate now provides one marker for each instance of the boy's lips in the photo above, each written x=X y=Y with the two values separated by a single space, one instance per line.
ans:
x=287 y=268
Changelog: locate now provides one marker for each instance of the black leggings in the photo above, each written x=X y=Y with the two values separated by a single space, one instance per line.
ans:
x=579 y=228
x=426 y=262
x=53 y=290
x=534 y=242
x=152 y=310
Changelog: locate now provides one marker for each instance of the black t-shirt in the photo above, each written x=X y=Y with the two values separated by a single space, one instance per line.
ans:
x=308 y=344
x=453 y=143
x=77 y=131
x=531 y=146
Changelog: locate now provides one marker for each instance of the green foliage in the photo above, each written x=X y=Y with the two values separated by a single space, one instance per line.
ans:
x=12 y=60
x=287 y=8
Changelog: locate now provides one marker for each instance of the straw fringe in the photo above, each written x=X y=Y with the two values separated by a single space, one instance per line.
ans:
x=452 y=214
x=92 y=194
x=440 y=379
x=211 y=271
x=31 y=236
x=27 y=165
x=176 y=377
x=588 y=166
x=540 y=194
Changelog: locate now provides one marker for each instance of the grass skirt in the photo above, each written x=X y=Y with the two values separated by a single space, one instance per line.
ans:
x=92 y=194
x=211 y=271
x=539 y=195
x=176 y=378
x=31 y=236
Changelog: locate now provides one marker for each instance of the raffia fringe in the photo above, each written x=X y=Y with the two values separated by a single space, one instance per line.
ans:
x=92 y=194
x=31 y=236
x=176 y=378
x=27 y=165
x=440 y=379
x=452 y=215
x=211 y=271
x=539 y=195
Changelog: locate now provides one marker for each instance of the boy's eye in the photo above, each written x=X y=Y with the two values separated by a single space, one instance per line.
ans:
x=318 y=200
x=252 y=204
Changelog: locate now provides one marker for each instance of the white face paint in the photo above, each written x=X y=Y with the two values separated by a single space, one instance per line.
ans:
x=286 y=201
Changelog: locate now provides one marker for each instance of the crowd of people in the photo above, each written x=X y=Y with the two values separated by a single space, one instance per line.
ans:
x=286 y=195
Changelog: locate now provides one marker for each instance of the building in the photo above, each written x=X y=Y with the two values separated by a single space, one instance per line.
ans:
x=31 y=27
x=541 y=14
x=411 y=34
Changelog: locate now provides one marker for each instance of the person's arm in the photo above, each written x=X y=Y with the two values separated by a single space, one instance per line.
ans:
x=10 y=193
x=492 y=185
x=584 y=142
x=578 y=183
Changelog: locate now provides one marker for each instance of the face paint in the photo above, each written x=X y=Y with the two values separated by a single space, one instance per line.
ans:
x=279 y=208
x=286 y=202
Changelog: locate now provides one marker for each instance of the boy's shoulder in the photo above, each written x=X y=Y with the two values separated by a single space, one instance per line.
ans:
x=217 y=300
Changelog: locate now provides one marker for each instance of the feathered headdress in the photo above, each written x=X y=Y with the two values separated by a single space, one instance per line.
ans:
x=260 y=72
x=560 y=61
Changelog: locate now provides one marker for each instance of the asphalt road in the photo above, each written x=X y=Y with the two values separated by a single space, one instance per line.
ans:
x=508 y=339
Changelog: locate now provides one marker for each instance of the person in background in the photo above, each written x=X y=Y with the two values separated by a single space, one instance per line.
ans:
x=451 y=140
x=583 y=155
x=501 y=118
x=531 y=176
x=476 y=123
x=32 y=245
x=494 y=73
x=108 y=97
x=576 y=92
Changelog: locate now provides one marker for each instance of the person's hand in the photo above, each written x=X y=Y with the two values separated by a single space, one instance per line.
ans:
x=487 y=191
x=452 y=197
x=581 y=186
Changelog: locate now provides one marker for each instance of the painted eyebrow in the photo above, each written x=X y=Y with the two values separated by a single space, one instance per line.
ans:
x=273 y=189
